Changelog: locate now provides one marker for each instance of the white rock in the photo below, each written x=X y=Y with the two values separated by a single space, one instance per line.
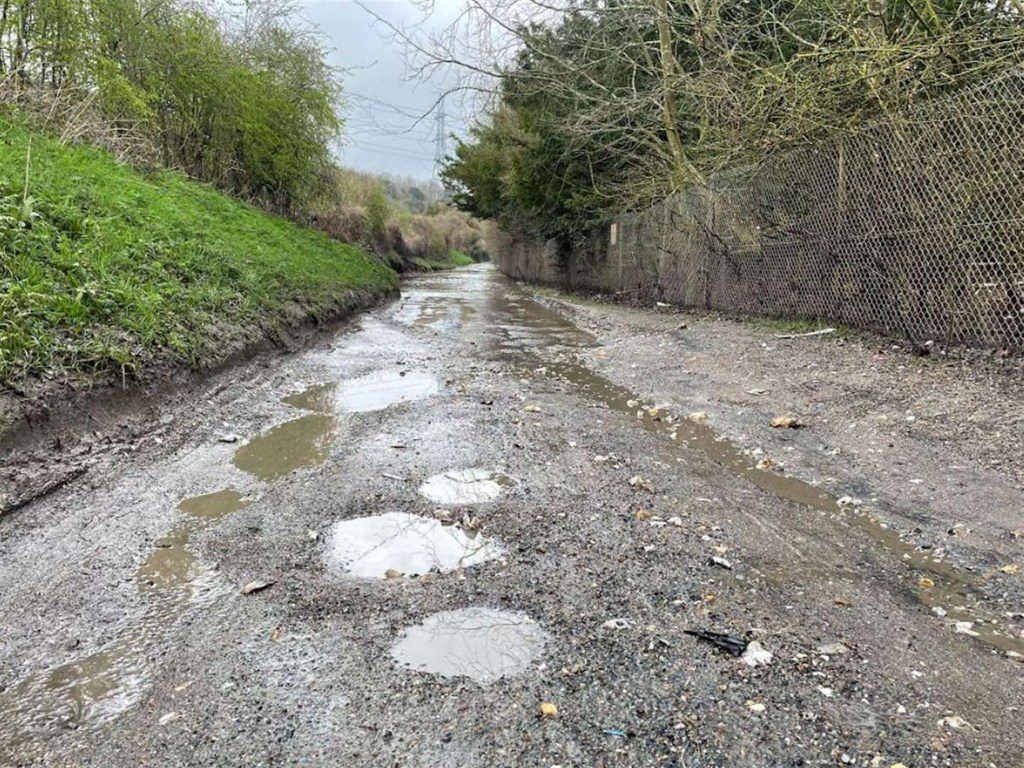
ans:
x=756 y=655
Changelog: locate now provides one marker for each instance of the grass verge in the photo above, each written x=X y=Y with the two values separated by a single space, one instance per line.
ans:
x=455 y=258
x=104 y=268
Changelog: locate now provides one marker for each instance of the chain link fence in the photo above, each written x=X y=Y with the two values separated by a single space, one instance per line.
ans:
x=912 y=227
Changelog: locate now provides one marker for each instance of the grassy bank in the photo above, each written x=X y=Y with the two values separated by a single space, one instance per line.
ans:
x=104 y=268
x=455 y=258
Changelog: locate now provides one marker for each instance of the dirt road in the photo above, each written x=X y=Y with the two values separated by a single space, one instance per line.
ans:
x=474 y=529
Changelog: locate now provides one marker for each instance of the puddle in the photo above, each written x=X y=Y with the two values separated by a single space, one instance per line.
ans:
x=482 y=644
x=369 y=547
x=306 y=441
x=381 y=389
x=96 y=688
x=171 y=563
x=465 y=486
x=521 y=332
x=319 y=398
x=297 y=444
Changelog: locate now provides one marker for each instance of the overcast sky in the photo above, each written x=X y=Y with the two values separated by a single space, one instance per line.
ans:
x=378 y=93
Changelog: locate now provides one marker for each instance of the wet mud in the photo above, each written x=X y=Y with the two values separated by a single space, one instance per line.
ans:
x=95 y=689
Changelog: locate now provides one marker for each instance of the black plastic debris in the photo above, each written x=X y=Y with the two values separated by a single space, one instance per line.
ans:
x=723 y=642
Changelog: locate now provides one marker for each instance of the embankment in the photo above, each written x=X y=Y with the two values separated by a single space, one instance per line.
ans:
x=115 y=278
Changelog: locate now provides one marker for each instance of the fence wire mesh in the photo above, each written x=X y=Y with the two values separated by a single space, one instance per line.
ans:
x=913 y=227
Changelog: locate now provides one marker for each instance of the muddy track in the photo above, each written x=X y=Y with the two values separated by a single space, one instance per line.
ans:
x=458 y=535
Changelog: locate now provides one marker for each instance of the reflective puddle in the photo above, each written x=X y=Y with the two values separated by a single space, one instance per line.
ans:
x=397 y=543
x=381 y=389
x=307 y=440
x=482 y=644
x=96 y=688
x=465 y=486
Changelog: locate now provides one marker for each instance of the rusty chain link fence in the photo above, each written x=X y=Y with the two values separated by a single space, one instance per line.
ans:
x=912 y=227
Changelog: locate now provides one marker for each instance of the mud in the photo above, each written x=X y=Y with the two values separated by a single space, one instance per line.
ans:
x=627 y=524
x=97 y=688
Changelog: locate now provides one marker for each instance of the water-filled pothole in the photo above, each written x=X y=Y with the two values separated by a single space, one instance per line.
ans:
x=465 y=486
x=306 y=441
x=296 y=444
x=381 y=389
x=397 y=542
x=483 y=644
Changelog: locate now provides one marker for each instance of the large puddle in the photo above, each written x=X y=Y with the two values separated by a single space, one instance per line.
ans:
x=400 y=544
x=381 y=389
x=482 y=644
x=536 y=340
x=96 y=688
x=465 y=486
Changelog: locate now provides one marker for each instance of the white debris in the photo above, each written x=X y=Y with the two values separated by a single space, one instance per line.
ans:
x=965 y=628
x=618 y=624
x=756 y=655
x=832 y=649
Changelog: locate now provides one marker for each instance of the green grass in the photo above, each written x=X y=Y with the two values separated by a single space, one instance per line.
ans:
x=102 y=267
x=454 y=258
x=460 y=259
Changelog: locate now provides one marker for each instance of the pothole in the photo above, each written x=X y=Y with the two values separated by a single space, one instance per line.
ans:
x=465 y=486
x=483 y=644
x=398 y=543
x=381 y=389
x=296 y=444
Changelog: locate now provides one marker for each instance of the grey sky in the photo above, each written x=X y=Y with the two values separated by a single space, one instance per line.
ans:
x=378 y=91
